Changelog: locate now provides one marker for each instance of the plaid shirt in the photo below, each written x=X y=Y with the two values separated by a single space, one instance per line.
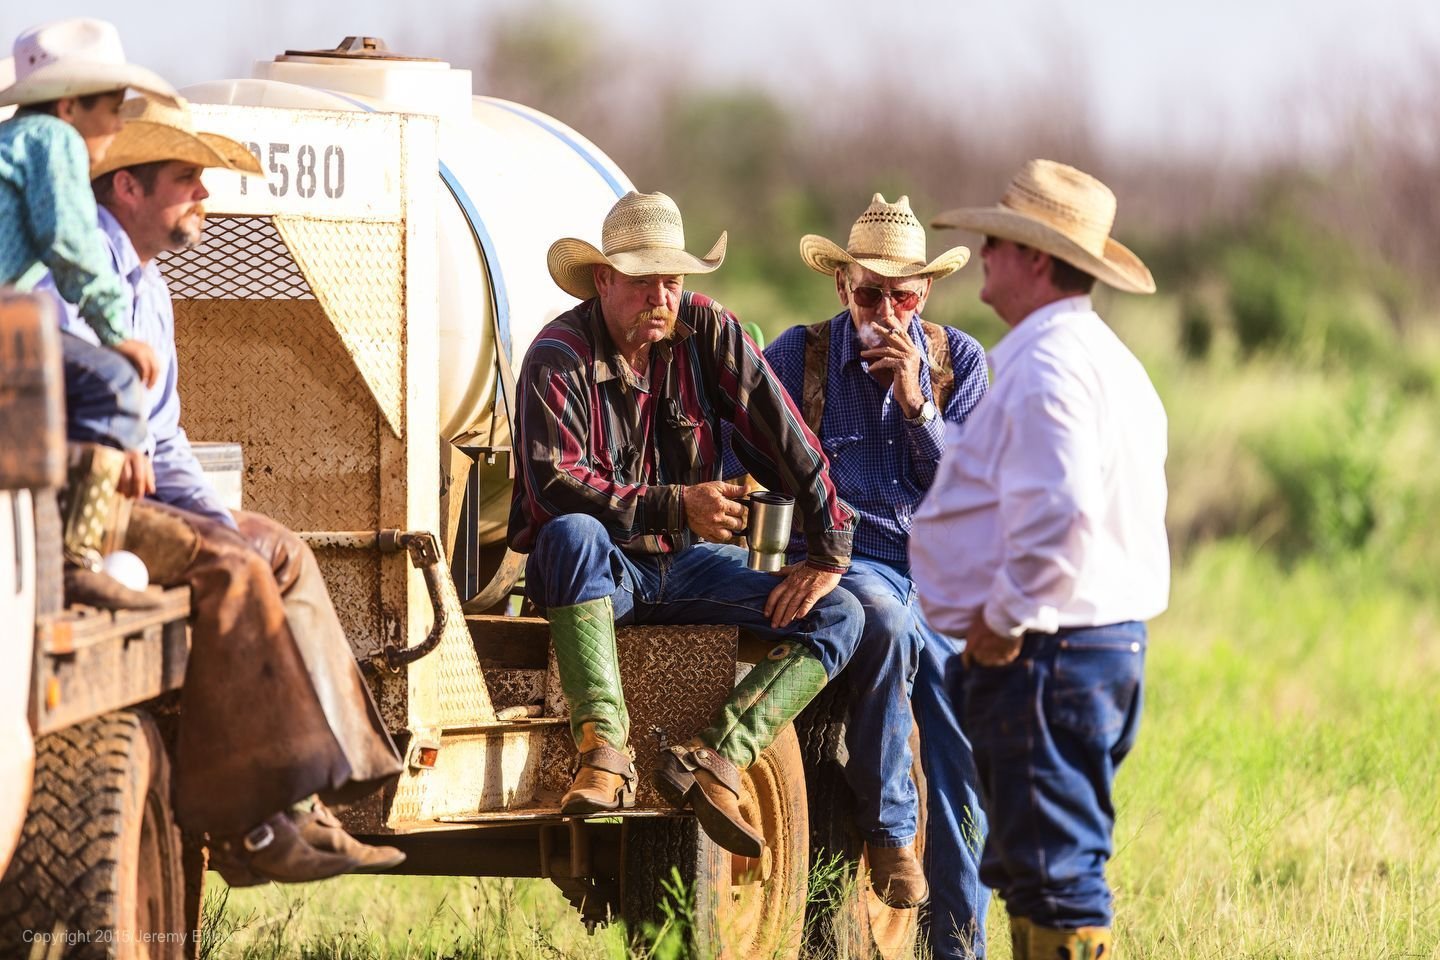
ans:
x=882 y=464
x=47 y=216
x=594 y=438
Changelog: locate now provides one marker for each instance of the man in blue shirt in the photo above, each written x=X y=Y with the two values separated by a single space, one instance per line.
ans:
x=324 y=734
x=878 y=385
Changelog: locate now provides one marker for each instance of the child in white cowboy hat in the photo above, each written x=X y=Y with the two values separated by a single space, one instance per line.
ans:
x=70 y=79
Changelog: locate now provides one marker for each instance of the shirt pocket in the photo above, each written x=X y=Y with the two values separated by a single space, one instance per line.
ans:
x=686 y=445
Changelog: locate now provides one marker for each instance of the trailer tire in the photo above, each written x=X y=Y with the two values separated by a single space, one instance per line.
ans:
x=736 y=909
x=844 y=917
x=99 y=857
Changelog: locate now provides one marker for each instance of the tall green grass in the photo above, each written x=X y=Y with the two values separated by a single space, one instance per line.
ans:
x=1283 y=800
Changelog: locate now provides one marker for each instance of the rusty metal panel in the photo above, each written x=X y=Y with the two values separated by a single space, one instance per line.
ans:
x=95 y=661
x=674 y=678
x=32 y=394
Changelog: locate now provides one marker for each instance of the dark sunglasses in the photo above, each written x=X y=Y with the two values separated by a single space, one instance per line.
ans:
x=992 y=243
x=869 y=297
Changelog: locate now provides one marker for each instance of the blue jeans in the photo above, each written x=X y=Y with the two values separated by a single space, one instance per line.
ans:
x=878 y=728
x=956 y=823
x=104 y=399
x=902 y=665
x=574 y=560
x=1049 y=730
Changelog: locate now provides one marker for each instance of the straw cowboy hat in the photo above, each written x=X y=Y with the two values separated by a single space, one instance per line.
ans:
x=888 y=240
x=154 y=131
x=73 y=58
x=1061 y=211
x=642 y=236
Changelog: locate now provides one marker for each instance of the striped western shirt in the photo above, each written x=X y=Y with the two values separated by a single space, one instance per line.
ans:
x=595 y=438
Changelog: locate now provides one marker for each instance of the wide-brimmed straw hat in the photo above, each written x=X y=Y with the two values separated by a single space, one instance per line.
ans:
x=73 y=58
x=154 y=132
x=642 y=236
x=888 y=240
x=1063 y=212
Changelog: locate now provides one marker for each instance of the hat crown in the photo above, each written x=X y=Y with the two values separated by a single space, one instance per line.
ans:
x=80 y=38
x=888 y=231
x=146 y=110
x=1073 y=202
x=640 y=221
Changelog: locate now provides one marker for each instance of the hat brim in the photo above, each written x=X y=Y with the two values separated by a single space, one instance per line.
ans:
x=570 y=261
x=141 y=141
x=79 y=78
x=827 y=256
x=1118 y=268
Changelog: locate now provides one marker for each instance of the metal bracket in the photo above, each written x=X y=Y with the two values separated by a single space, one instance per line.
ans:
x=424 y=550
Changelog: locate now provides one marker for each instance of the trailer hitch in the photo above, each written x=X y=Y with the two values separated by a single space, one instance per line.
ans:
x=425 y=556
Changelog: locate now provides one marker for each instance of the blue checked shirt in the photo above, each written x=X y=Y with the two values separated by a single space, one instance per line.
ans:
x=47 y=216
x=881 y=465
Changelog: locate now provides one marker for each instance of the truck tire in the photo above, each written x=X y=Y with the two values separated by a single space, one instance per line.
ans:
x=737 y=909
x=844 y=917
x=99 y=858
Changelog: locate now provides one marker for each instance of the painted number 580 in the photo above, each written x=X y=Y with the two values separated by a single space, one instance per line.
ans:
x=302 y=169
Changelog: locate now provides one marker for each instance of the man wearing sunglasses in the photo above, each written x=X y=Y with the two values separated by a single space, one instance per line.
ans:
x=878 y=385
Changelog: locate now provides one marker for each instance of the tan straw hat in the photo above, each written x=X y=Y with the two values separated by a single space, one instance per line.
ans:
x=154 y=131
x=73 y=58
x=642 y=236
x=1063 y=212
x=888 y=240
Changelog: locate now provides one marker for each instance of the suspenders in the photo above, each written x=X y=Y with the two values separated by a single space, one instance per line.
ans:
x=817 y=366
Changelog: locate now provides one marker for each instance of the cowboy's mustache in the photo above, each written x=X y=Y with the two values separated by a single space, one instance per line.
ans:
x=655 y=313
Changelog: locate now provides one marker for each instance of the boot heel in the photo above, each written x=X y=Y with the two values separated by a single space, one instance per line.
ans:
x=672 y=778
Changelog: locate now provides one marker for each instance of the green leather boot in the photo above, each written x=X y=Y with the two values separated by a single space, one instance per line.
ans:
x=705 y=773
x=1086 y=943
x=583 y=636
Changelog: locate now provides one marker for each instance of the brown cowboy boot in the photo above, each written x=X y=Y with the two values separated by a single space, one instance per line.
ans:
x=583 y=636
x=274 y=852
x=93 y=515
x=896 y=876
x=705 y=773
x=697 y=776
x=321 y=830
x=1020 y=938
x=1086 y=943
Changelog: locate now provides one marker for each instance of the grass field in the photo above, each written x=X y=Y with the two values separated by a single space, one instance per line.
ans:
x=1284 y=797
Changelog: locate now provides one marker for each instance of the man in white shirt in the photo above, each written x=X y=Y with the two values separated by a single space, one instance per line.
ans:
x=1042 y=543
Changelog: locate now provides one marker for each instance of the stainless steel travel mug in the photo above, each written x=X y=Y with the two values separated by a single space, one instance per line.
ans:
x=769 y=531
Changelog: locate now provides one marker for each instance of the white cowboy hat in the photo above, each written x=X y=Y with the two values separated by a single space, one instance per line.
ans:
x=1063 y=212
x=73 y=58
x=642 y=236
x=888 y=240
x=154 y=131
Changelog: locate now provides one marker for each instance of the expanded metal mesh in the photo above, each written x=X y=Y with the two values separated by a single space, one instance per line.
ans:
x=239 y=258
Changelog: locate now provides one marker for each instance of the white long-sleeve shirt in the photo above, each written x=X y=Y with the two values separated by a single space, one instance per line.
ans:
x=1048 y=507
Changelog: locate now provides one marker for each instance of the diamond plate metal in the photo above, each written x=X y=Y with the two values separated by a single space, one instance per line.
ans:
x=674 y=678
x=351 y=266
x=274 y=377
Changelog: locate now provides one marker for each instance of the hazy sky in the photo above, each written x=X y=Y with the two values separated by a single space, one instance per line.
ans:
x=1152 y=72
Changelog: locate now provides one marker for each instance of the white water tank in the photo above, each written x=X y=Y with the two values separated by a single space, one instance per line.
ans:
x=512 y=181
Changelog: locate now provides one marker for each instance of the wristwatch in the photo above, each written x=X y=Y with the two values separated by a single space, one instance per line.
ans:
x=926 y=414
